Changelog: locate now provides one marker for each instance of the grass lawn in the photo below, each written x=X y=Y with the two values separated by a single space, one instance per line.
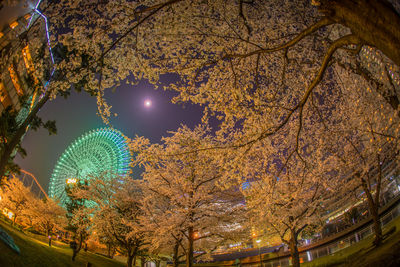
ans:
x=35 y=252
x=365 y=254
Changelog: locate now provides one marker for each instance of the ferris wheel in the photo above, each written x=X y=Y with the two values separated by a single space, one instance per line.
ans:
x=91 y=155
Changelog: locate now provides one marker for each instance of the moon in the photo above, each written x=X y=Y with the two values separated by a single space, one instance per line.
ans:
x=147 y=103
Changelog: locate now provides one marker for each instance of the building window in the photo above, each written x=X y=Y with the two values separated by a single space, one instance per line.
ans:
x=27 y=17
x=14 y=24
x=27 y=59
x=14 y=79
x=4 y=97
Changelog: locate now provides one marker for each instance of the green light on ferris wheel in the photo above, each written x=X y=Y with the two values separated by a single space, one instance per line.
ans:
x=92 y=154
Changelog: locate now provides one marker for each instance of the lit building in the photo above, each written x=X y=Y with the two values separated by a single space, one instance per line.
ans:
x=26 y=61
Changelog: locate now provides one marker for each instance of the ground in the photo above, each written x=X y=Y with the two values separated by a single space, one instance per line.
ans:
x=37 y=253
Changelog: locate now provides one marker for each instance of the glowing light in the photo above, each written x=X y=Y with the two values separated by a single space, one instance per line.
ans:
x=47 y=33
x=47 y=36
x=13 y=25
x=10 y=215
x=37 y=4
x=147 y=103
x=4 y=96
x=28 y=60
x=14 y=79
x=90 y=155
x=71 y=181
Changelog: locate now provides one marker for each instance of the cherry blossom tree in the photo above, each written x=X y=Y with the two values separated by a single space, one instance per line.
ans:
x=270 y=71
x=366 y=141
x=116 y=212
x=171 y=243
x=245 y=61
x=78 y=215
x=262 y=68
x=47 y=216
x=15 y=196
x=226 y=52
x=185 y=204
x=287 y=197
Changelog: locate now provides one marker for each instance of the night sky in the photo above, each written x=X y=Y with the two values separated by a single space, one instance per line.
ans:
x=76 y=115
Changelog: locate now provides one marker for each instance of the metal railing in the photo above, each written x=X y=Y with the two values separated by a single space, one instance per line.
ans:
x=331 y=248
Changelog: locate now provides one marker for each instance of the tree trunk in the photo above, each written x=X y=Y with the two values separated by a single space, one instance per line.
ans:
x=189 y=255
x=374 y=22
x=49 y=237
x=373 y=209
x=129 y=261
x=76 y=250
x=294 y=252
x=10 y=146
x=109 y=250
x=80 y=241
x=377 y=227
x=74 y=253
x=142 y=261
x=175 y=258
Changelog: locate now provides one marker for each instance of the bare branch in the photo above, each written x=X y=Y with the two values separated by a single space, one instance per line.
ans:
x=320 y=24
x=153 y=9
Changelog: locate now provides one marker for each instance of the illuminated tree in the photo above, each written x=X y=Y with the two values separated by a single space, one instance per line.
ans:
x=253 y=64
x=185 y=203
x=225 y=52
x=78 y=215
x=366 y=142
x=289 y=190
x=172 y=242
x=260 y=67
x=91 y=155
x=117 y=212
x=47 y=216
x=16 y=198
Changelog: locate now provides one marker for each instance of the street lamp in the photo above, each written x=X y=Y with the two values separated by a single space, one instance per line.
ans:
x=259 y=251
x=195 y=235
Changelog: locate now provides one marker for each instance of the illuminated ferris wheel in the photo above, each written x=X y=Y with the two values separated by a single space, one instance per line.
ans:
x=92 y=154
